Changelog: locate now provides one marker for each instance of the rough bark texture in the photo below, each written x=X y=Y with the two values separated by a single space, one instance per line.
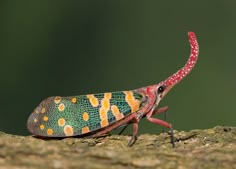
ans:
x=210 y=148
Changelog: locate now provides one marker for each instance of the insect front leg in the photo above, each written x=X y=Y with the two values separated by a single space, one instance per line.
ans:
x=162 y=110
x=161 y=122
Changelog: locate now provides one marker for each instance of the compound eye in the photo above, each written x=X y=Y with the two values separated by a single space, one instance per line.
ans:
x=160 y=89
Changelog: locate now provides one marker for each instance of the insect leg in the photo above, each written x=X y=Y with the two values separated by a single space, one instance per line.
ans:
x=162 y=110
x=115 y=125
x=165 y=117
x=124 y=128
x=158 y=111
x=162 y=123
x=135 y=131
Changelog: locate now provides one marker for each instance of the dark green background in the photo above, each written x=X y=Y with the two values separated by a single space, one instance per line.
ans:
x=78 y=47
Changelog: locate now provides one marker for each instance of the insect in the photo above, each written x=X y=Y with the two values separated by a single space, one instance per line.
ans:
x=97 y=114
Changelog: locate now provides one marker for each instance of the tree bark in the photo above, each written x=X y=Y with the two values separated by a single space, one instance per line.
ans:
x=209 y=148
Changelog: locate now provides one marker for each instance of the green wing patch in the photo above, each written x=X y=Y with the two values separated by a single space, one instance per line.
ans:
x=77 y=115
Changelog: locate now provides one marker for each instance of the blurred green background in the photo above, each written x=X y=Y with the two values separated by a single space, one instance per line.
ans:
x=77 y=47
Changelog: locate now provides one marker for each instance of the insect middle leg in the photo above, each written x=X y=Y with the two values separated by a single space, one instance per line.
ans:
x=135 y=121
x=135 y=131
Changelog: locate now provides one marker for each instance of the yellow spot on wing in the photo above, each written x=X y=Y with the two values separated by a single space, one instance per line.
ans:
x=41 y=126
x=105 y=103
x=129 y=95
x=43 y=110
x=45 y=118
x=90 y=96
x=85 y=130
x=61 y=107
x=61 y=122
x=93 y=100
x=116 y=112
x=68 y=130
x=57 y=99
x=35 y=120
x=107 y=95
x=119 y=116
x=133 y=103
x=73 y=100
x=103 y=113
x=85 y=116
x=49 y=132
x=135 y=106
x=104 y=123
